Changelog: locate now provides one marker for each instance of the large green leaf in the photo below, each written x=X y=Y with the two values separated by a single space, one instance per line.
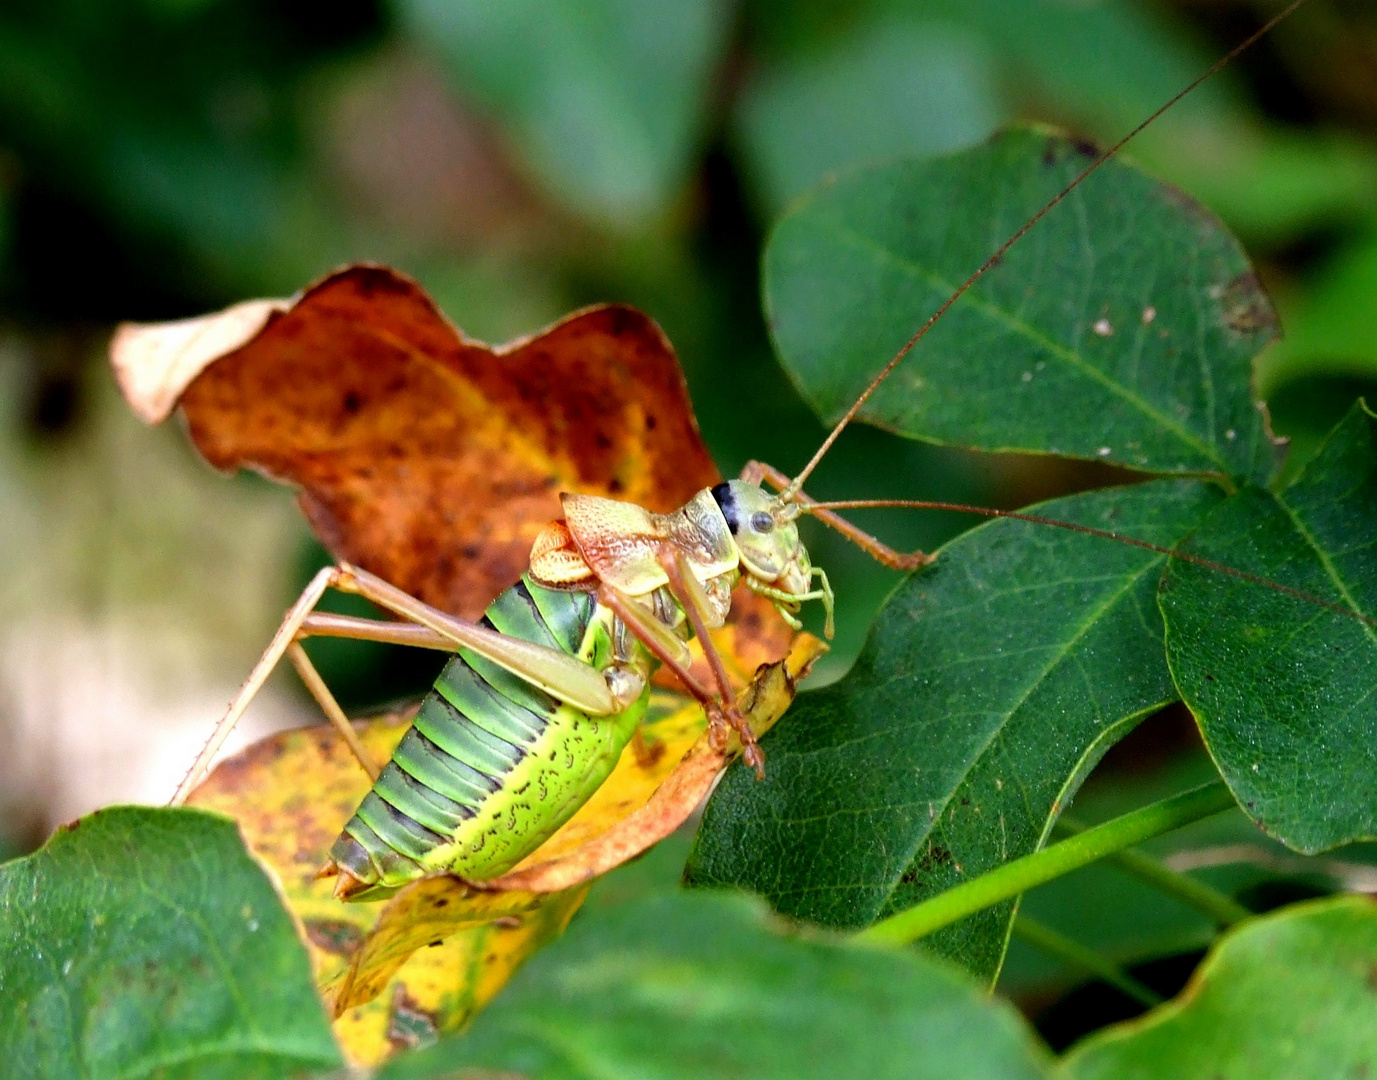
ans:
x=605 y=99
x=1286 y=997
x=1283 y=688
x=146 y=943
x=1122 y=327
x=892 y=87
x=992 y=682
x=686 y=986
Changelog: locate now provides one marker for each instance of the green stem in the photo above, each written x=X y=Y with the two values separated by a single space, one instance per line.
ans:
x=1013 y=878
x=1219 y=907
x=1077 y=955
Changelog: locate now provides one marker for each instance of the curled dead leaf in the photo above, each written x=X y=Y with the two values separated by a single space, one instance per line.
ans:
x=428 y=458
x=433 y=461
x=155 y=362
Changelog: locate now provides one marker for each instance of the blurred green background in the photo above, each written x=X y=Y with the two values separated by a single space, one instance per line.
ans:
x=160 y=158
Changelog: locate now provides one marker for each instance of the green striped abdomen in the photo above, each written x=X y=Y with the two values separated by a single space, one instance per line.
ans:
x=491 y=765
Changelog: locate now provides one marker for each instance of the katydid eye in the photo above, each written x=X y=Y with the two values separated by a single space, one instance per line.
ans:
x=762 y=522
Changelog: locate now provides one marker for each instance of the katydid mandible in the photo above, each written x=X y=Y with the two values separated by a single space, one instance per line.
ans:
x=530 y=715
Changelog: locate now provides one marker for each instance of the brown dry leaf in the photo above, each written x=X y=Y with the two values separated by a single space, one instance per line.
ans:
x=430 y=459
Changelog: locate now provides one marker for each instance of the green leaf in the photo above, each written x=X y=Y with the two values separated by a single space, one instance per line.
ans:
x=1285 y=997
x=992 y=682
x=606 y=100
x=892 y=87
x=1123 y=327
x=1283 y=687
x=689 y=986
x=141 y=943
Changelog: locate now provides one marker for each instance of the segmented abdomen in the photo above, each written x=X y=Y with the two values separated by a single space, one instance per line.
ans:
x=491 y=765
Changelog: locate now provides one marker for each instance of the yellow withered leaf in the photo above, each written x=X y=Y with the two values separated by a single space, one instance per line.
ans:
x=431 y=956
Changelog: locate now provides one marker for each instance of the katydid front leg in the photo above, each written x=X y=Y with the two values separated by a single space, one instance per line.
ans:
x=756 y=471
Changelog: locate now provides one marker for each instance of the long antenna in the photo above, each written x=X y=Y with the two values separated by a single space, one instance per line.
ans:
x=1224 y=61
x=1133 y=541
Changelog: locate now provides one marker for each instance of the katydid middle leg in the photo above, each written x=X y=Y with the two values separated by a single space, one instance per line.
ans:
x=671 y=652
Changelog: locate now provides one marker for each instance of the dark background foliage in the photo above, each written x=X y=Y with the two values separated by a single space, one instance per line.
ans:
x=159 y=158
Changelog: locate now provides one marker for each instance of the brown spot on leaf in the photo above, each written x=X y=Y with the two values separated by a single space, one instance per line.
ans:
x=410 y=1026
x=334 y=936
x=1247 y=310
x=934 y=856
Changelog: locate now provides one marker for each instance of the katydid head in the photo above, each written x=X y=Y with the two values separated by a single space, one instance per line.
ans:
x=773 y=559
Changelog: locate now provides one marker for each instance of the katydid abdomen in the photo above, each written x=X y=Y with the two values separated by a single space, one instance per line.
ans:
x=492 y=765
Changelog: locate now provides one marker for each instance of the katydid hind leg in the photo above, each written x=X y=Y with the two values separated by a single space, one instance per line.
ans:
x=310 y=677
x=565 y=677
x=329 y=624
x=277 y=648
x=302 y=621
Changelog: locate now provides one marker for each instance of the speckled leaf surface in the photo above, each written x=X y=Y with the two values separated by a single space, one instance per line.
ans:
x=146 y=943
x=1283 y=688
x=690 y=986
x=1122 y=328
x=1285 y=997
x=993 y=681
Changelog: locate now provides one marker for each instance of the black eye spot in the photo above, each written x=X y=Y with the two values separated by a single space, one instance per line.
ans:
x=762 y=522
x=722 y=493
